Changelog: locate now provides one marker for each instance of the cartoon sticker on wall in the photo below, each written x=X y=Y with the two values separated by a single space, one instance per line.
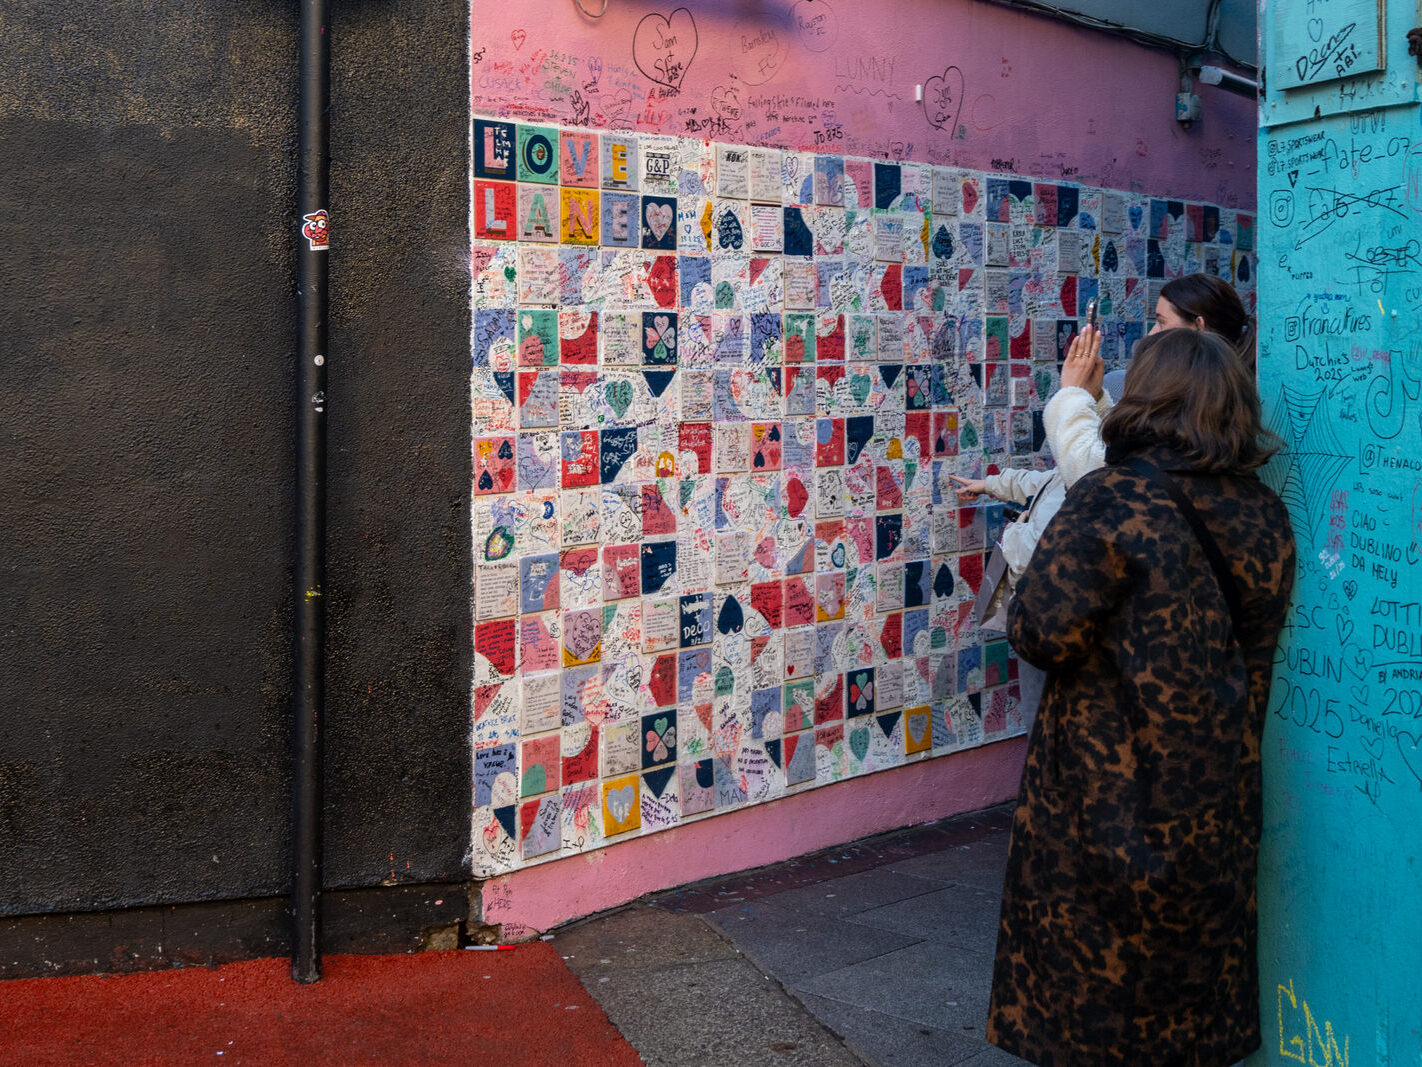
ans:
x=316 y=228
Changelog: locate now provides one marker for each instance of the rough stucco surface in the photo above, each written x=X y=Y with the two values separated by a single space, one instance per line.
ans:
x=400 y=562
x=147 y=428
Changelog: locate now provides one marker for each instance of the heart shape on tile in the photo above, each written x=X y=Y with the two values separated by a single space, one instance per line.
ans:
x=796 y=496
x=659 y=218
x=619 y=396
x=859 y=742
x=859 y=387
x=619 y=802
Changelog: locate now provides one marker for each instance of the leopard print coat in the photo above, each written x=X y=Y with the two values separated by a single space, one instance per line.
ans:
x=1128 y=919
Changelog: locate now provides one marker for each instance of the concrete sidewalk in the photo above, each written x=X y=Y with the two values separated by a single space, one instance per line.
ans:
x=876 y=952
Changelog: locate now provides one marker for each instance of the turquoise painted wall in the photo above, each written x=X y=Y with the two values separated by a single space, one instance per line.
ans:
x=1340 y=309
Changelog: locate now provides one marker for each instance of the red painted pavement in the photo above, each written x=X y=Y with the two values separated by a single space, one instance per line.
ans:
x=519 y=1007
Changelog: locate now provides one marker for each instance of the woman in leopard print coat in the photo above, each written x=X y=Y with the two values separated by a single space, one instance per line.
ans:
x=1128 y=919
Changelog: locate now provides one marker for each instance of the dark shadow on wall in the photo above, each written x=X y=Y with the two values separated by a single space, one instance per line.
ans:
x=146 y=432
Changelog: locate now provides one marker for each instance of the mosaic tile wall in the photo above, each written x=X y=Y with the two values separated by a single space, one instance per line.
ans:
x=717 y=391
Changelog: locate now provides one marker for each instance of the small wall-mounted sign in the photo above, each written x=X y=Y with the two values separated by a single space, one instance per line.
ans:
x=1316 y=43
x=1335 y=58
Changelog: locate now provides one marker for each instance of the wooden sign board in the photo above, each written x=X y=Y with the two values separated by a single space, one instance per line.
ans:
x=1389 y=80
x=1316 y=41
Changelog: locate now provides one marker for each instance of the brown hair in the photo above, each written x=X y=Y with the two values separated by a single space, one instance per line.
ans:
x=1187 y=389
x=1203 y=296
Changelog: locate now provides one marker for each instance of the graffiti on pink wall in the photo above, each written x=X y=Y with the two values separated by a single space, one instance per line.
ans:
x=953 y=82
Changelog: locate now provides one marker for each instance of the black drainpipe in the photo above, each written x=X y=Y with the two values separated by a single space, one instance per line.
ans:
x=309 y=572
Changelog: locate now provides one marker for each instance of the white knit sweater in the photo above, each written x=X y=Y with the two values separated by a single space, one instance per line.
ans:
x=1073 y=422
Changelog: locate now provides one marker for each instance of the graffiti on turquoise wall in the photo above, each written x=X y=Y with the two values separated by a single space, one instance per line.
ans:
x=1340 y=307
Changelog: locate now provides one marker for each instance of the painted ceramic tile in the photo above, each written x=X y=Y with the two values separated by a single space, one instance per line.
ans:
x=494 y=147
x=542 y=700
x=495 y=210
x=538 y=277
x=537 y=213
x=619 y=749
x=582 y=817
x=659 y=161
x=578 y=158
x=797 y=177
x=698 y=787
x=619 y=220
x=582 y=637
x=693 y=224
x=538 y=154
x=621 y=805
x=580 y=215
x=540 y=826
x=765 y=288
x=619 y=161
x=538 y=642
x=660 y=799
x=495 y=273
x=657 y=222
x=659 y=338
x=537 y=337
x=539 y=765
x=729 y=221
x=494 y=467
x=495 y=844
x=580 y=577
x=732 y=171
x=496 y=713
x=495 y=776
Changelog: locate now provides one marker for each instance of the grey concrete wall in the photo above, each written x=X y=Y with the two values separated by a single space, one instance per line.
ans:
x=147 y=316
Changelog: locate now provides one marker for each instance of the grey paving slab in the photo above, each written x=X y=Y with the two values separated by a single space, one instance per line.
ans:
x=982 y=863
x=938 y=986
x=852 y=893
x=717 y=1013
x=684 y=997
x=889 y=1041
x=961 y=915
x=793 y=945
x=638 y=938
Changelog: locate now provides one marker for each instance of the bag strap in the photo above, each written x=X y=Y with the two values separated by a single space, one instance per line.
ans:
x=1228 y=586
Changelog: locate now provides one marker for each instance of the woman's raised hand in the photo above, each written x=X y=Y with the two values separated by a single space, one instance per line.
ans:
x=1083 y=367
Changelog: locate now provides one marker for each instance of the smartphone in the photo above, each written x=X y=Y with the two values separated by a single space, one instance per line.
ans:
x=1091 y=313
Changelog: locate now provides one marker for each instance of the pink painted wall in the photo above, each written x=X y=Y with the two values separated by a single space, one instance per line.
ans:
x=1003 y=90
x=534 y=899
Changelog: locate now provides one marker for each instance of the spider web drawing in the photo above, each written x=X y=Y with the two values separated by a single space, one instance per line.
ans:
x=1311 y=460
